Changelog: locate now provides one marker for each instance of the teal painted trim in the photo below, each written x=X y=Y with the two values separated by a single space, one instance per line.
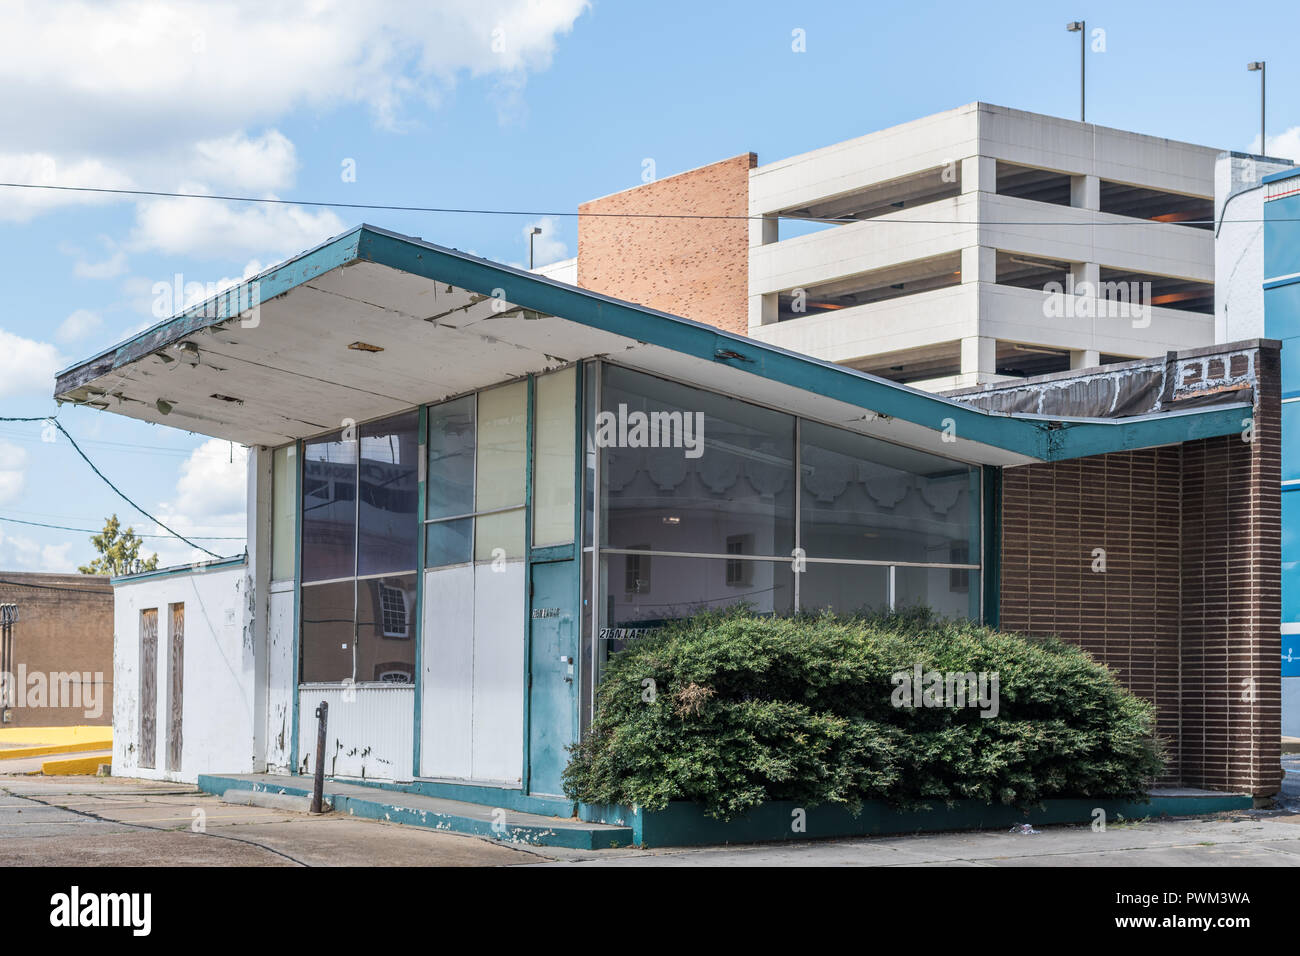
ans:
x=1080 y=439
x=466 y=820
x=685 y=824
x=1278 y=283
x=992 y=574
x=525 y=778
x=421 y=486
x=275 y=281
x=486 y=795
x=297 y=596
x=579 y=476
x=200 y=567
x=1031 y=436
x=1281 y=174
x=558 y=552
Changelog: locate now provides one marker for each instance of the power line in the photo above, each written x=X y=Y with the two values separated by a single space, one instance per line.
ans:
x=77 y=448
x=60 y=527
x=453 y=210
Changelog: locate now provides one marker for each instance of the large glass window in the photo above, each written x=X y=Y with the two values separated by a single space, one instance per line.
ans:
x=477 y=459
x=696 y=509
x=359 y=553
x=284 y=511
x=554 y=445
x=686 y=470
x=866 y=499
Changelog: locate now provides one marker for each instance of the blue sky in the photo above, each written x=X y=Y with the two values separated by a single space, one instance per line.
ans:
x=507 y=104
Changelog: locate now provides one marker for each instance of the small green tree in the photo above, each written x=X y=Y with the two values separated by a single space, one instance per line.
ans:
x=119 y=552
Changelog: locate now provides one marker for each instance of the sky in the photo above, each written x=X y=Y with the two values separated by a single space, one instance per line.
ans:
x=533 y=105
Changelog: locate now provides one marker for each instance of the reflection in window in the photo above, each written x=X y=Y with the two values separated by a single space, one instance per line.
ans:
x=866 y=499
x=359 y=553
x=477 y=459
x=387 y=514
x=329 y=509
x=385 y=628
x=734 y=477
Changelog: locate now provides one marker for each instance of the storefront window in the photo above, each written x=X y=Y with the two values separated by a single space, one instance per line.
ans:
x=683 y=472
x=359 y=553
x=686 y=470
x=477 y=460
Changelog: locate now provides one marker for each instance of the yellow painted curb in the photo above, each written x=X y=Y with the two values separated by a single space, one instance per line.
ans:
x=77 y=766
x=48 y=736
x=14 y=753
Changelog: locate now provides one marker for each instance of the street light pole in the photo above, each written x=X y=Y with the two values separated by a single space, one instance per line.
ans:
x=1258 y=67
x=1078 y=26
x=536 y=230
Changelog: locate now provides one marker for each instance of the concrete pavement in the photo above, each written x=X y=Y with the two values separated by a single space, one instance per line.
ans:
x=95 y=821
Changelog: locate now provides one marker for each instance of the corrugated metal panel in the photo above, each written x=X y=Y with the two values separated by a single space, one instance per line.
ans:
x=1281 y=188
x=370 y=730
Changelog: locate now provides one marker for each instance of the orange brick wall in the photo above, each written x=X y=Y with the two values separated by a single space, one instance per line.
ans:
x=697 y=268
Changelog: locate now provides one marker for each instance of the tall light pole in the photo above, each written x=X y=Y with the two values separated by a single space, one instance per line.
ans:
x=1077 y=26
x=535 y=231
x=1258 y=67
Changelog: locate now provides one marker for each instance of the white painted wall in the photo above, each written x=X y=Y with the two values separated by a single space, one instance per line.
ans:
x=1239 y=245
x=280 y=689
x=218 y=705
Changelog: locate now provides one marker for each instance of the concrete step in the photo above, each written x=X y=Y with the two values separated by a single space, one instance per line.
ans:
x=411 y=809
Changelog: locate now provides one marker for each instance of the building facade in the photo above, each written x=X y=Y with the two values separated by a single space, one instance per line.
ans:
x=57 y=666
x=976 y=245
x=1281 y=284
x=468 y=485
x=184 y=662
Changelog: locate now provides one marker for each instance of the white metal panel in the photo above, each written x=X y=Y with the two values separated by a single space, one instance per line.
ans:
x=446 y=710
x=498 y=672
x=280 y=689
x=370 y=731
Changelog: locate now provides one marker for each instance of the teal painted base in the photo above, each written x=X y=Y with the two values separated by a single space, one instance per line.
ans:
x=439 y=813
x=551 y=821
x=685 y=824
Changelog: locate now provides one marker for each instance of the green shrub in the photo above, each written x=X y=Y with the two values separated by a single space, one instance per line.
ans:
x=749 y=708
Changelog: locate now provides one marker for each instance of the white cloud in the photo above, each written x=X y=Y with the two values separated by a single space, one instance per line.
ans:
x=212 y=229
x=27 y=367
x=13 y=471
x=20 y=205
x=136 y=79
x=268 y=162
x=78 y=325
x=209 y=500
x=1284 y=146
x=547 y=246
x=23 y=553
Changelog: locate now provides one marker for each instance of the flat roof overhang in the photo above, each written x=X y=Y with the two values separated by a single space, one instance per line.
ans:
x=449 y=323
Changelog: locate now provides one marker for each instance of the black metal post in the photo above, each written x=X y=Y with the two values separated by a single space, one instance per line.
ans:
x=318 y=785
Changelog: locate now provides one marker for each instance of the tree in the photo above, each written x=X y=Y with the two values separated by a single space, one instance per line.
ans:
x=119 y=552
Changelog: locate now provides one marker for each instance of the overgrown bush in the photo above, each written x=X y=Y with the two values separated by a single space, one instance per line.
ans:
x=743 y=709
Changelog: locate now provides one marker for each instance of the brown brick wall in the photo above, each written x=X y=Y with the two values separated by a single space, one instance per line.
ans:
x=65 y=625
x=1188 y=610
x=697 y=268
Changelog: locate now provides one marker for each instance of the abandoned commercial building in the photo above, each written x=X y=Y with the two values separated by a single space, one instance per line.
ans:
x=468 y=484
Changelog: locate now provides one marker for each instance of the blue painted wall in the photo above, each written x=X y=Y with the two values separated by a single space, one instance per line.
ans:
x=1282 y=321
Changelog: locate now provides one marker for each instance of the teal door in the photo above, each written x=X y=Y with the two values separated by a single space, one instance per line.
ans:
x=553 y=694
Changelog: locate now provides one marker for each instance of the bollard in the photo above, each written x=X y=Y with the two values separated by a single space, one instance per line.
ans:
x=318 y=785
